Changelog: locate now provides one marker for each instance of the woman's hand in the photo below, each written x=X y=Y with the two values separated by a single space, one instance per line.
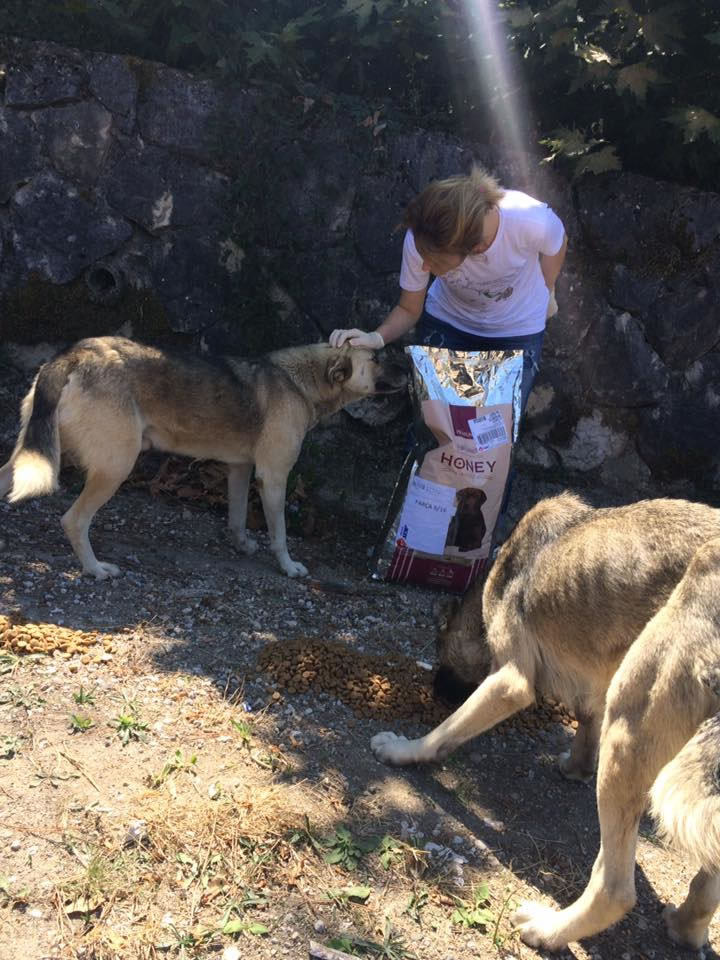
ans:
x=552 y=307
x=357 y=338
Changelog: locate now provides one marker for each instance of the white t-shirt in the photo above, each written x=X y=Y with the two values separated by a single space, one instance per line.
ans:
x=501 y=292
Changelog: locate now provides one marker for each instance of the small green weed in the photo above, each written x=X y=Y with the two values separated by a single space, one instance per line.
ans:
x=345 y=851
x=305 y=835
x=475 y=912
x=188 y=942
x=233 y=918
x=391 y=851
x=176 y=764
x=10 y=897
x=9 y=747
x=245 y=731
x=15 y=697
x=252 y=927
x=346 y=944
x=391 y=948
x=79 y=723
x=349 y=894
x=9 y=662
x=83 y=697
x=415 y=904
x=128 y=728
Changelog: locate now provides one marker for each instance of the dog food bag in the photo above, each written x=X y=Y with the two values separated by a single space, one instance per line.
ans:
x=439 y=526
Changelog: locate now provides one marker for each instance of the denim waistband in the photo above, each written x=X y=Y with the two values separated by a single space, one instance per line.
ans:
x=436 y=333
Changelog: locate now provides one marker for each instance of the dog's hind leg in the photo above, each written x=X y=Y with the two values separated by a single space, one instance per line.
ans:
x=99 y=487
x=580 y=761
x=502 y=693
x=238 y=486
x=688 y=924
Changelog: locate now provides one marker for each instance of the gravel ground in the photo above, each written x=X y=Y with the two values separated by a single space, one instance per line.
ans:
x=231 y=793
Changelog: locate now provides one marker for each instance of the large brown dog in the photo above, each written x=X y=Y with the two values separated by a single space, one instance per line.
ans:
x=106 y=399
x=617 y=613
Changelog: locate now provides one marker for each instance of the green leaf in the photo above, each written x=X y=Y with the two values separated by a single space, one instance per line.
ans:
x=482 y=893
x=662 y=29
x=694 y=122
x=599 y=161
x=567 y=142
x=234 y=926
x=258 y=49
x=334 y=856
x=258 y=929
x=636 y=78
x=342 y=943
x=367 y=844
x=357 y=893
x=592 y=53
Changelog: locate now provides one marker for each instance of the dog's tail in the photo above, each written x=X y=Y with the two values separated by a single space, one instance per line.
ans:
x=685 y=798
x=36 y=458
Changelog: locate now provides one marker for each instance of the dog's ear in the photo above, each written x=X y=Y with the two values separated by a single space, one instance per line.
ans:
x=339 y=368
x=482 y=496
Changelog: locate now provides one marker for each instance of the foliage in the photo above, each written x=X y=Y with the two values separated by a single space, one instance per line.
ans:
x=475 y=912
x=391 y=947
x=83 y=696
x=80 y=723
x=345 y=850
x=631 y=83
x=128 y=727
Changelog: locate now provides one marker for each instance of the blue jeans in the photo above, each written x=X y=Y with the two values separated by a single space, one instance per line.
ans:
x=431 y=332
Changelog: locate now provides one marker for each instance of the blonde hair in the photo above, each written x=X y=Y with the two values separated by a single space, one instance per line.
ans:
x=448 y=215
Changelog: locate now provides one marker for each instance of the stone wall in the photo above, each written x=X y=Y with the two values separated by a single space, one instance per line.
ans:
x=137 y=197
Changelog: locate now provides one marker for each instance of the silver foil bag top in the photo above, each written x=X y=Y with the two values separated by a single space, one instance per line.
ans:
x=440 y=522
x=464 y=378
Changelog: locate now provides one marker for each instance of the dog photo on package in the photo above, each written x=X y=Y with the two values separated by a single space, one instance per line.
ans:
x=467 y=408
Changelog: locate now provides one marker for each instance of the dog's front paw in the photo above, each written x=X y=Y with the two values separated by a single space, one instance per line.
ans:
x=294 y=569
x=391 y=749
x=103 y=570
x=537 y=926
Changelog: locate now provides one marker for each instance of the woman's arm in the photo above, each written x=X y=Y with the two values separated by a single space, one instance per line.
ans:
x=403 y=317
x=551 y=266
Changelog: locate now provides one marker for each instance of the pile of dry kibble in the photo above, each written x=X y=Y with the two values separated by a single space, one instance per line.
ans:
x=374 y=686
x=371 y=686
x=19 y=635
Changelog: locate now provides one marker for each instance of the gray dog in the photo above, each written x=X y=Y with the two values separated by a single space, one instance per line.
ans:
x=106 y=399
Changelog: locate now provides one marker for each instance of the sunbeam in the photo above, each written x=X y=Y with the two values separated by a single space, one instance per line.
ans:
x=501 y=78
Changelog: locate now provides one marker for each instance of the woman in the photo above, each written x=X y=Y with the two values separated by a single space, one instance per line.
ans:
x=495 y=255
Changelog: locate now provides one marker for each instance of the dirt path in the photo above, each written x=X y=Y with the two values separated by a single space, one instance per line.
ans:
x=204 y=812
